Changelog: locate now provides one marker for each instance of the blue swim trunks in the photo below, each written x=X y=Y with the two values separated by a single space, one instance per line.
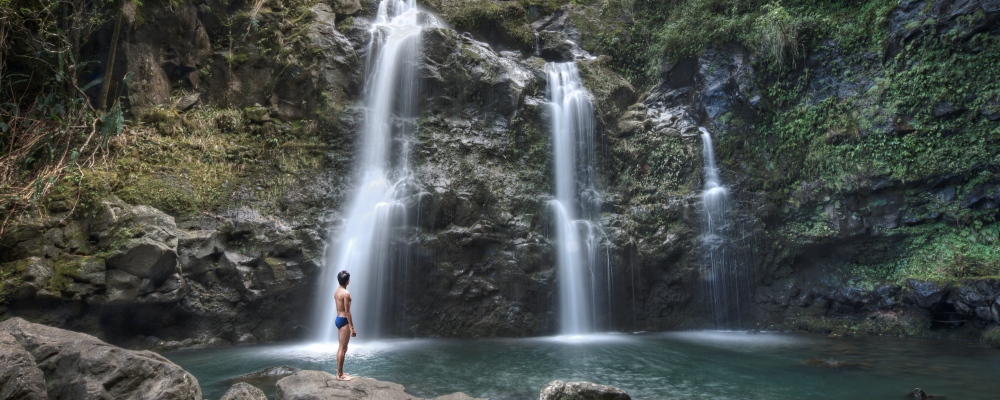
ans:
x=340 y=322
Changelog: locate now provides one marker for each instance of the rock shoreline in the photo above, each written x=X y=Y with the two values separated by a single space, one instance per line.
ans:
x=41 y=362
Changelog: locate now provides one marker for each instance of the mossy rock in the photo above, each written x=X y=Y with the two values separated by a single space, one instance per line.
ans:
x=501 y=23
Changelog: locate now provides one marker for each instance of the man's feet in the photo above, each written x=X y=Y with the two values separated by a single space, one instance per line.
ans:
x=344 y=377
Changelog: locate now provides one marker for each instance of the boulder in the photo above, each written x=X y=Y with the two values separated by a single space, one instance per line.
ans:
x=20 y=377
x=185 y=103
x=144 y=258
x=319 y=385
x=559 y=390
x=925 y=294
x=244 y=391
x=153 y=224
x=79 y=366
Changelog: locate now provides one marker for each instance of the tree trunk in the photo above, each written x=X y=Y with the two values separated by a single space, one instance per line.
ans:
x=102 y=101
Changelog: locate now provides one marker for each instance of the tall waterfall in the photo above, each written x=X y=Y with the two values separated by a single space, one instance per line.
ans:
x=364 y=247
x=576 y=204
x=726 y=274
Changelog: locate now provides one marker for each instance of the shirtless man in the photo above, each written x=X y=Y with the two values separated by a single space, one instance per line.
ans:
x=343 y=299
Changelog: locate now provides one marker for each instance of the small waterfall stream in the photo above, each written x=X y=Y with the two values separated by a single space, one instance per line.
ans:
x=576 y=205
x=364 y=247
x=726 y=273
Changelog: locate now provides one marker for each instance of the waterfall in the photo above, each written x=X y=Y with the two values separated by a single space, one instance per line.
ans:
x=364 y=247
x=576 y=205
x=726 y=271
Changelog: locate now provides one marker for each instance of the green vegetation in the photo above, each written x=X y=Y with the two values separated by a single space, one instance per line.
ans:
x=48 y=126
x=196 y=162
x=639 y=34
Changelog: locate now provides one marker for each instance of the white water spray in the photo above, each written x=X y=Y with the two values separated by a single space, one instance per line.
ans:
x=364 y=247
x=577 y=203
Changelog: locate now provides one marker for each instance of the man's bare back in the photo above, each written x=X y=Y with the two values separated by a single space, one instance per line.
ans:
x=344 y=320
x=343 y=298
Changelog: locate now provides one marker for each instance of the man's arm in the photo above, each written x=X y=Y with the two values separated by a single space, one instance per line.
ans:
x=347 y=309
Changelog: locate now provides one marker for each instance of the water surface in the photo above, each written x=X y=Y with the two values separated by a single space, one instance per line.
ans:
x=679 y=365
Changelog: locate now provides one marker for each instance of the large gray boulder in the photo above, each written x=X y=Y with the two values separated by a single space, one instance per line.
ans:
x=319 y=385
x=20 y=377
x=144 y=258
x=244 y=391
x=559 y=390
x=79 y=366
x=147 y=241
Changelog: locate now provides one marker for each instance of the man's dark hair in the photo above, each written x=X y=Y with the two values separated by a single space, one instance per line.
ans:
x=343 y=277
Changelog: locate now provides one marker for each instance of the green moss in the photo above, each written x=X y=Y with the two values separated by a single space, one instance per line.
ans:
x=65 y=270
x=194 y=164
x=881 y=323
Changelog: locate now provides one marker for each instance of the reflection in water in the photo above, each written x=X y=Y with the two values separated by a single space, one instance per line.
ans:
x=696 y=365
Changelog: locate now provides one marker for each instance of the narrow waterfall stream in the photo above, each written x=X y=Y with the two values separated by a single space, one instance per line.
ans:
x=364 y=247
x=576 y=204
x=726 y=273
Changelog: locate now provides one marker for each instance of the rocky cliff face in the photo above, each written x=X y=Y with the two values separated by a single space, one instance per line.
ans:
x=175 y=264
x=847 y=178
x=863 y=179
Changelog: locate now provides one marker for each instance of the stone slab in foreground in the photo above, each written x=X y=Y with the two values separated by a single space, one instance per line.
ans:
x=559 y=390
x=79 y=366
x=319 y=385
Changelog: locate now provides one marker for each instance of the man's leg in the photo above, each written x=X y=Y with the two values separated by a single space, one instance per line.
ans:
x=345 y=336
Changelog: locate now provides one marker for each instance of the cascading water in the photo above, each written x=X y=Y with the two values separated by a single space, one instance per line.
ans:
x=726 y=271
x=364 y=247
x=577 y=204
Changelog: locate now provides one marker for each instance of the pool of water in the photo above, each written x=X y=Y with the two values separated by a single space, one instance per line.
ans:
x=677 y=365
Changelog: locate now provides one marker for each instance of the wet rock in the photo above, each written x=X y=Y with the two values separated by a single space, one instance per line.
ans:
x=555 y=46
x=559 y=390
x=726 y=79
x=243 y=391
x=78 y=366
x=20 y=377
